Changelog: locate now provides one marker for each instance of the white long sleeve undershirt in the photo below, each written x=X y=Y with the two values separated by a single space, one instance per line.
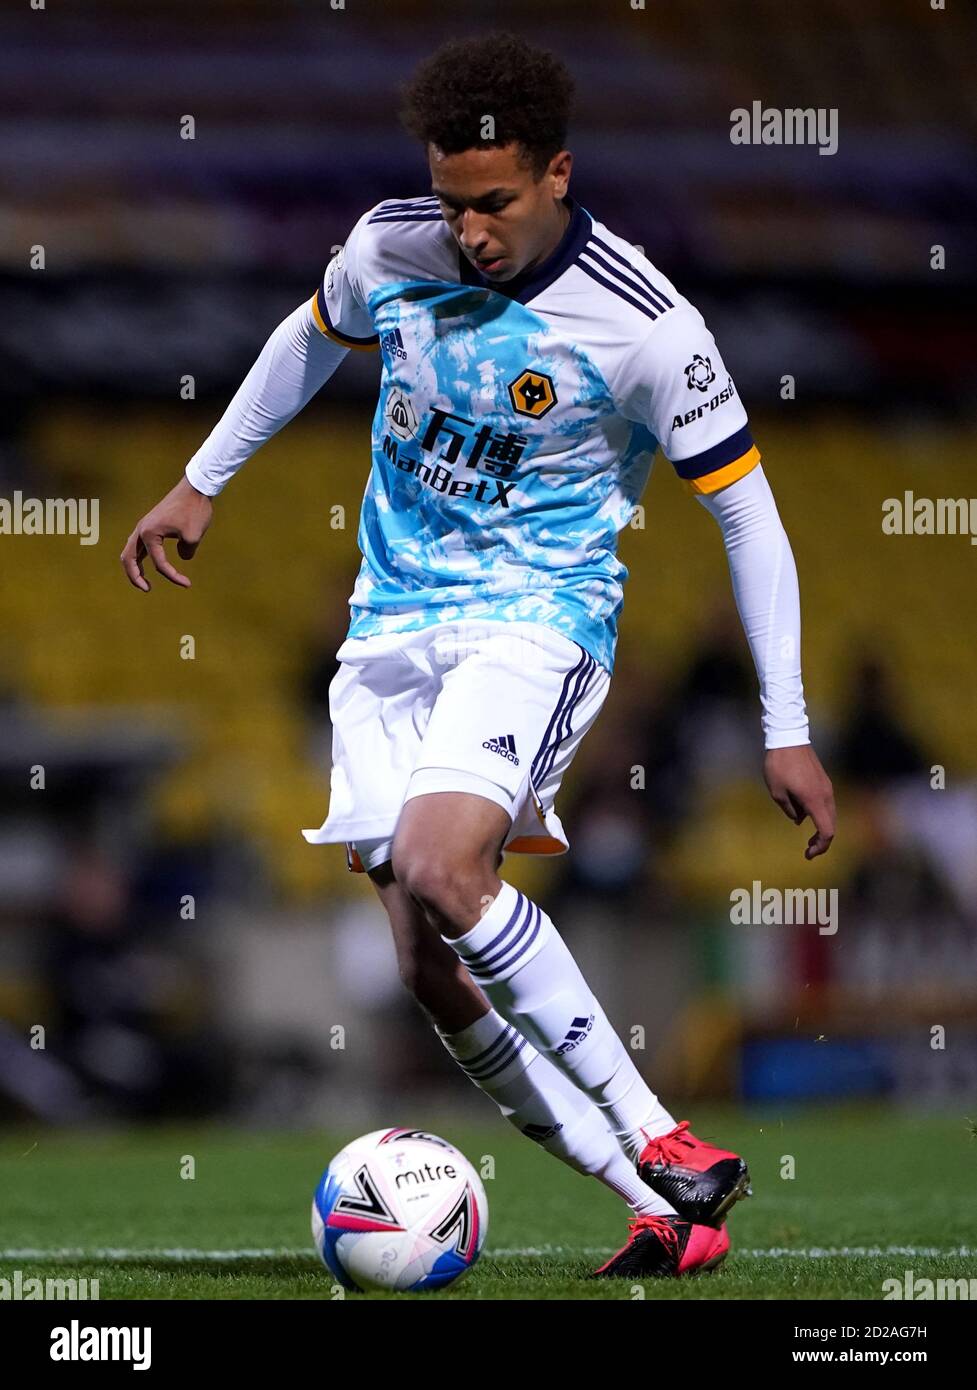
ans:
x=764 y=577
x=293 y=364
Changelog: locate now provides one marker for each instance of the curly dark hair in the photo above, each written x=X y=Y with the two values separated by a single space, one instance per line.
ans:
x=527 y=90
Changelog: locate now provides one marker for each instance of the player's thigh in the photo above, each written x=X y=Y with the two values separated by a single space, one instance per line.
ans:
x=445 y=835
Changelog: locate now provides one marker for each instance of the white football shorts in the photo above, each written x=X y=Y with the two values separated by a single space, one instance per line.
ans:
x=494 y=708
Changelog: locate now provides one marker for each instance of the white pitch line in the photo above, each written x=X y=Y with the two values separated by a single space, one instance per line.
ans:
x=126 y=1253
x=776 y=1252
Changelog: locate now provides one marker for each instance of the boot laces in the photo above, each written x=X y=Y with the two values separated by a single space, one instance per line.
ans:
x=661 y=1225
x=667 y=1146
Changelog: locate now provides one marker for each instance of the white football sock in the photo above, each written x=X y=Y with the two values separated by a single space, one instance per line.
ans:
x=520 y=961
x=545 y=1105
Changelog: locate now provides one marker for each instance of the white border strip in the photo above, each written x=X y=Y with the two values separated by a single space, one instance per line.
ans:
x=775 y=1252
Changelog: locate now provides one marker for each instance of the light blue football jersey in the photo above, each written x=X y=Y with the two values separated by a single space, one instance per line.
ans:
x=517 y=422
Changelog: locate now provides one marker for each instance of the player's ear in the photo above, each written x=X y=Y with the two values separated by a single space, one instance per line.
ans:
x=559 y=170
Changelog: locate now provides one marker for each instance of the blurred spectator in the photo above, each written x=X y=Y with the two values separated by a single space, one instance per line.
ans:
x=129 y=1007
x=709 y=728
x=874 y=746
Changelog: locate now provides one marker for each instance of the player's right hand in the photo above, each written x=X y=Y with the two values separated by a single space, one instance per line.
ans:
x=184 y=513
x=801 y=788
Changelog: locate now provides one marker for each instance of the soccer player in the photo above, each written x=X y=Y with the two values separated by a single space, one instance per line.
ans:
x=532 y=361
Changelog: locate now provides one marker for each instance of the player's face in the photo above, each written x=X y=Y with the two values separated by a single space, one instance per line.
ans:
x=504 y=220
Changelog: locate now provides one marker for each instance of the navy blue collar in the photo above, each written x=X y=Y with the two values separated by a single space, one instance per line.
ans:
x=528 y=284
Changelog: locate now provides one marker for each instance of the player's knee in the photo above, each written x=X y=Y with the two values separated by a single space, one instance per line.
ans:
x=430 y=878
x=444 y=887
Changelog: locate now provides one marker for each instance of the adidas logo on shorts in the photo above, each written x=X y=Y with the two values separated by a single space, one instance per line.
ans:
x=504 y=746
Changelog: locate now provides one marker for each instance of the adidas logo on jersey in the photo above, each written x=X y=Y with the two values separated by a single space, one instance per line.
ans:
x=504 y=746
x=576 y=1034
x=392 y=342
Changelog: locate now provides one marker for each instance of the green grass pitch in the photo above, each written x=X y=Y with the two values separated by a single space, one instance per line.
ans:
x=876 y=1192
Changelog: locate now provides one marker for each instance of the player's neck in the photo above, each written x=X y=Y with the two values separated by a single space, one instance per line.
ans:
x=563 y=222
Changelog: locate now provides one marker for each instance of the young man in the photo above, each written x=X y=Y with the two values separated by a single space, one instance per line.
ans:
x=532 y=361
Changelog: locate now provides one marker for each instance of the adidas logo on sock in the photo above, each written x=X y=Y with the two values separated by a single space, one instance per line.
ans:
x=542 y=1132
x=576 y=1034
x=504 y=746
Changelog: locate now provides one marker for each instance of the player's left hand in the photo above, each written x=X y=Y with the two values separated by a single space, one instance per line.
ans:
x=801 y=787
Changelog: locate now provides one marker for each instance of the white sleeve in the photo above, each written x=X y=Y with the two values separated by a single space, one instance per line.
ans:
x=676 y=383
x=340 y=306
x=765 y=586
x=294 y=363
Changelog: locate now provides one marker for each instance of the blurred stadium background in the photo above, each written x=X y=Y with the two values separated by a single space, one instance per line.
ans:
x=168 y=779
